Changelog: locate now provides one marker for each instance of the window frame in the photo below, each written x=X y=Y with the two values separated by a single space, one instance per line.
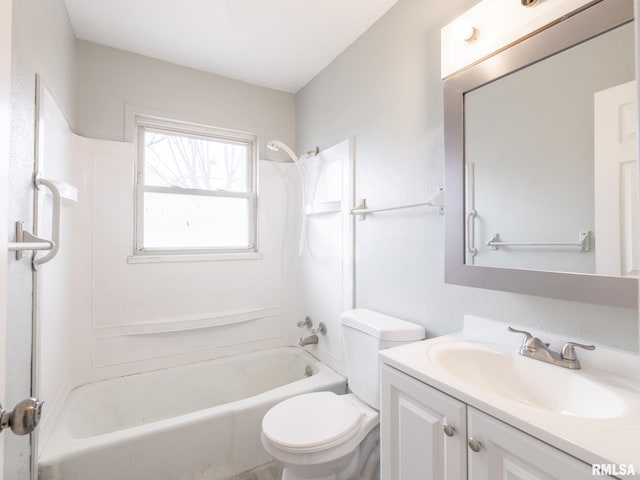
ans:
x=145 y=123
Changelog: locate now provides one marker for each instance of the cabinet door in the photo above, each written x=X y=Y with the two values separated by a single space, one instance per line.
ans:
x=413 y=441
x=507 y=453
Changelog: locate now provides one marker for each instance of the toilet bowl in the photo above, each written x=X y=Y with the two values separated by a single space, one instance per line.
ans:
x=321 y=435
x=324 y=436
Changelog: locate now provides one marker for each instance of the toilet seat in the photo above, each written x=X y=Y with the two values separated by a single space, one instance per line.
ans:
x=311 y=422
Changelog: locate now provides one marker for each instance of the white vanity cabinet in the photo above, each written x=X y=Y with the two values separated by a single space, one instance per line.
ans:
x=429 y=435
x=506 y=452
x=422 y=431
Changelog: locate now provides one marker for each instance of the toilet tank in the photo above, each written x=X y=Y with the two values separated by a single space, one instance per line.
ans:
x=366 y=333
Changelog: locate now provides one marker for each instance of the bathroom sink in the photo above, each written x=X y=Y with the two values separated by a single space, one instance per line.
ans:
x=592 y=413
x=527 y=381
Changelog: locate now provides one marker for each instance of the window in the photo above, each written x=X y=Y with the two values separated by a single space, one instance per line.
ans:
x=195 y=189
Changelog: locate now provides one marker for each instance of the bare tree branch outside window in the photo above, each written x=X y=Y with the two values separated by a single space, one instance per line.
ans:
x=191 y=162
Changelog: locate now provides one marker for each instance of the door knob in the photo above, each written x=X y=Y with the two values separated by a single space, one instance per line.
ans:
x=24 y=418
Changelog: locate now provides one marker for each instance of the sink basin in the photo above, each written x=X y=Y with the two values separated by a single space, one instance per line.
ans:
x=527 y=381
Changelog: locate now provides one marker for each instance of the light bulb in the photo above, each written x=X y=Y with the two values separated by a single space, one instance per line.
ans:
x=463 y=30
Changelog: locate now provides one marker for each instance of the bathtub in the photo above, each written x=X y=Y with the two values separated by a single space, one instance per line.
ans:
x=200 y=421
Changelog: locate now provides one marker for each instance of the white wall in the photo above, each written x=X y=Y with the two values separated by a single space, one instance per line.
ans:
x=386 y=91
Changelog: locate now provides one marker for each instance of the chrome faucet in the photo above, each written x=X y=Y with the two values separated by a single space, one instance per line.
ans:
x=310 y=340
x=535 y=348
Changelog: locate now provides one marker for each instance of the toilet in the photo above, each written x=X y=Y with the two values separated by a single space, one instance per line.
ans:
x=324 y=436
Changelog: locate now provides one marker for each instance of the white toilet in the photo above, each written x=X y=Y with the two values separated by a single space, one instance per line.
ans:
x=324 y=436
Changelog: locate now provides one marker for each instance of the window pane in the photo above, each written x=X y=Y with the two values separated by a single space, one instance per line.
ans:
x=195 y=221
x=185 y=161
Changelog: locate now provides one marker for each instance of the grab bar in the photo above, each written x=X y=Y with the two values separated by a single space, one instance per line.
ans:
x=59 y=190
x=361 y=210
x=55 y=220
x=583 y=243
x=471 y=249
x=472 y=213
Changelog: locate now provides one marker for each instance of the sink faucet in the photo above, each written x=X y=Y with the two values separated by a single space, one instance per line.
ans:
x=310 y=340
x=535 y=348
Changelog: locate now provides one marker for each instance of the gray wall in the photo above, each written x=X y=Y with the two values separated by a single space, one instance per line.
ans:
x=109 y=78
x=42 y=42
x=386 y=92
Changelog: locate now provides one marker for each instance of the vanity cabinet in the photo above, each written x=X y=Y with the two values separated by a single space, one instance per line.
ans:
x=426 y=434
x=423 y=431
x=506 y=452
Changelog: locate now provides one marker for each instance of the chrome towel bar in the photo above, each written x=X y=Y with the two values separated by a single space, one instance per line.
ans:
x=583 y=243
x=361 y=210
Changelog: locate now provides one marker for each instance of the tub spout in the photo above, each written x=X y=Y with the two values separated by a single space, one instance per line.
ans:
x=310 y=340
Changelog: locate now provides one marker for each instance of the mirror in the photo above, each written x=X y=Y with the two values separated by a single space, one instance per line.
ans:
x=532 y=192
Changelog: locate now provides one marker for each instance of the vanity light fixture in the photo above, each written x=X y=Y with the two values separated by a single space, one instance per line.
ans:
x=529 y=3
x=463 y=30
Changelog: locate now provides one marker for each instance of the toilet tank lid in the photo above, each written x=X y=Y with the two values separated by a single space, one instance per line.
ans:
x=382 y=326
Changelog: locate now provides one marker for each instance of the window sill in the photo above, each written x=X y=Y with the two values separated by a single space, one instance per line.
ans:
x=210 y=257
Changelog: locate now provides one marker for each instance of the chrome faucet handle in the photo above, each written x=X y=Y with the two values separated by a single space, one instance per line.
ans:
x=305 y=323
x=569 y=352
x=529 y=342
x=527 y=335
x=321 y=328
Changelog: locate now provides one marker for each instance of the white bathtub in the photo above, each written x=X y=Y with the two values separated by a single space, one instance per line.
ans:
x=199 y=421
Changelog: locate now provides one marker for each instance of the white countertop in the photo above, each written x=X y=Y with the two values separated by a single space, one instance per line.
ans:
x=592 y=440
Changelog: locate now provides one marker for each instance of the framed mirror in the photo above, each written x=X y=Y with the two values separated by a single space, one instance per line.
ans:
x=539 y=201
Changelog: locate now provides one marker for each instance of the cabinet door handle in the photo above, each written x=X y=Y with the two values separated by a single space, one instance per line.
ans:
x=474 y=444
x=449 y=431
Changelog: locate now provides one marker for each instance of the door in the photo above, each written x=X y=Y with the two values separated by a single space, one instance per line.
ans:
x=422 y=431
x=616 y=181
x=16 y=276
x=5 y=85
x=497 y=450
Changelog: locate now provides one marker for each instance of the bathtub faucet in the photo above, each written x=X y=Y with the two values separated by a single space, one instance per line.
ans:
x=310 y=340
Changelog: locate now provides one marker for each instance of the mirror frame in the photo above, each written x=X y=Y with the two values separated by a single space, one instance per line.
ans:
x=588 y=22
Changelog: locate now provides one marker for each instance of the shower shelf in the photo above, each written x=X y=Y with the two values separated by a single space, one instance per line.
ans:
x=323 y=208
